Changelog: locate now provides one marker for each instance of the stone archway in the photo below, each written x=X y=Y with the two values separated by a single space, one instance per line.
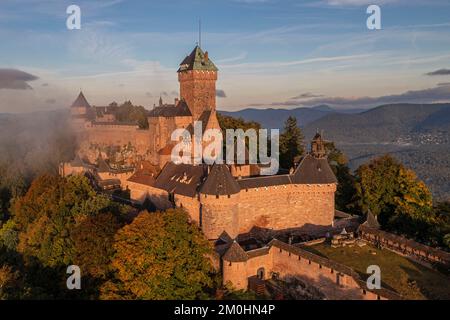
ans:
x=261 y=273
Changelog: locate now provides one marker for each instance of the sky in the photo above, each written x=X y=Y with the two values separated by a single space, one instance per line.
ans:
x=270 y=53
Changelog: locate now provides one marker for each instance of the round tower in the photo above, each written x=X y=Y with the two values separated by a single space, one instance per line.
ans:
x=219 y=199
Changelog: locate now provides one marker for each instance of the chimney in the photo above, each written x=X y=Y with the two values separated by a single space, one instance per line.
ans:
x=206 y=56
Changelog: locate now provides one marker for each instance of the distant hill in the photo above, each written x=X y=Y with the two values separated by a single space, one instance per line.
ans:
x=417 y=134
x=387 y=123
x=274 y=118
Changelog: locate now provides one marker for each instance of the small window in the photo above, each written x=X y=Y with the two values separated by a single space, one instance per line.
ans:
x=320 y=266
x=332 y=271
x=217 y=196
x=309 y=261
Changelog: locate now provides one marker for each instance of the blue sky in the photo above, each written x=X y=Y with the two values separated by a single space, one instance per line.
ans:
x=271 y=53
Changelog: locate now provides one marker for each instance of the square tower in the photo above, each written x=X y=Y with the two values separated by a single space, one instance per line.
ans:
x=197 y=76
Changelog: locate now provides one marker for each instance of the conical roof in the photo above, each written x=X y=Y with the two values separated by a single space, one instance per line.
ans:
x=80 y=102
x=235 y=253
x=371 y=220
x=220 y=182
x=197 y=60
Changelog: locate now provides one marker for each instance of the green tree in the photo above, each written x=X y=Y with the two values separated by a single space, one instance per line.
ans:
x=160 y=256
x=346 y=182
x=47 y=213
x=127 y=112
x=291 y=143
x=401 y=201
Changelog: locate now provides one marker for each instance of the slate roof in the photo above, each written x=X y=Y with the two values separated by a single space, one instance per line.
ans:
x=181 y=179
x=146 y=175
x=220 y=182
x=81 y=102
x=313 y=171
x=264 y=181
x=171 y=110
x=235 y=253
x=197 y=60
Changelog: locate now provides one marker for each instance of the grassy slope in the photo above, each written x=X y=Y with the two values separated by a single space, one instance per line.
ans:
x=397 y=272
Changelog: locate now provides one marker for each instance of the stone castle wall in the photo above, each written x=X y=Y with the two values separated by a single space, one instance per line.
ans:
x=286 y=206
x=277 y=208
x=288 y=264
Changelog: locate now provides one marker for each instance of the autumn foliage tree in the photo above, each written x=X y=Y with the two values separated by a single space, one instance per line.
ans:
x=59 y=222
x=402 y=202
x=160 y=256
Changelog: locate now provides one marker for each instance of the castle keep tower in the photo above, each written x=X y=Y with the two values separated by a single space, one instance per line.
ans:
x=197 y=76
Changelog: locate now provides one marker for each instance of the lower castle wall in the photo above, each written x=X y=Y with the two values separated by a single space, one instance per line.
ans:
x=191 y=205
x=333 y=284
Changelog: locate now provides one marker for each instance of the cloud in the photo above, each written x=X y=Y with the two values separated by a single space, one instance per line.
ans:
x=45 y=84
x=444 y=84
x=357 y=2
x=280 y=64
x=440 y=72
x=220 y=93
x=307 y=95
x=15 y=79
x=50 y=101
x=430 y=95
x=148 y=95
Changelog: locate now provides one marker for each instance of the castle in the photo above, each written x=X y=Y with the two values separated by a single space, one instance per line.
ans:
x=220 y=198
x=234 y=206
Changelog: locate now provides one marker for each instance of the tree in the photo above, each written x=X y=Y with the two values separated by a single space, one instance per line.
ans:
x=51 y=208
x=160 y=256
x=11 y=283
x=401 y=201
x=291 y=143
x=228 y=122
x=127 y=112
x=93 y=240
x=346 y=182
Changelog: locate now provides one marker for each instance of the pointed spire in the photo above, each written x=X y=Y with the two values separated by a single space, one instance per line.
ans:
x=318 y=146
x=371 y=220
x=81 y=102
x=197 y=60
x=160 y=101
x=220 y=182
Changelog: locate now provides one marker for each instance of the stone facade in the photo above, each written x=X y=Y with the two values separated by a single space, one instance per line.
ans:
x=284 y=261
